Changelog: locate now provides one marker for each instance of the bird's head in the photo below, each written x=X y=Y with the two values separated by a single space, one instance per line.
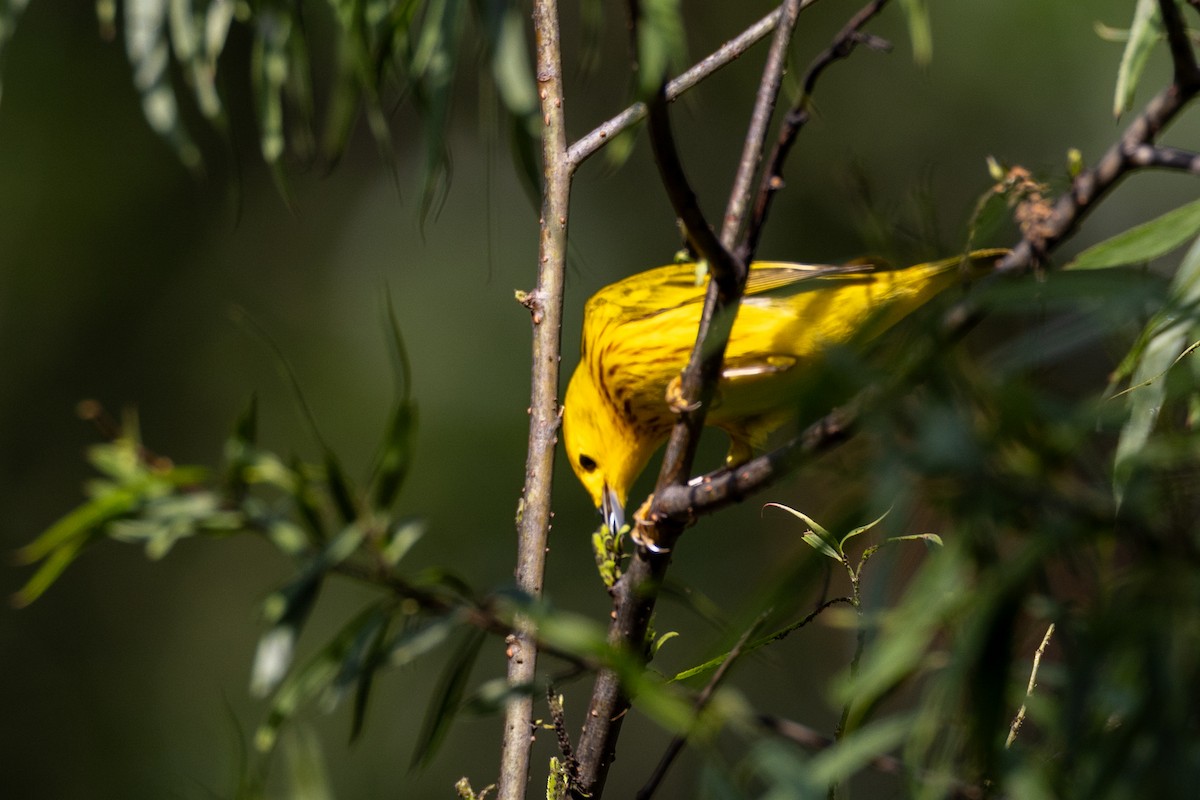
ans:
x=604 y=449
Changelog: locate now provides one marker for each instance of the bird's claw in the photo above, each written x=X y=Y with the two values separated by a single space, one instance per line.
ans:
x=675 y=399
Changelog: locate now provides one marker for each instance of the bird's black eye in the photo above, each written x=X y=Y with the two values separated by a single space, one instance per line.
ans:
x=587 y=463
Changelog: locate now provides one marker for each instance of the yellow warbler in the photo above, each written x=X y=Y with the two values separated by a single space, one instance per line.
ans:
x=639 y=332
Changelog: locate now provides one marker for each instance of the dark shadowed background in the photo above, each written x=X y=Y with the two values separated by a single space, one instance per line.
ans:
x=121 y=274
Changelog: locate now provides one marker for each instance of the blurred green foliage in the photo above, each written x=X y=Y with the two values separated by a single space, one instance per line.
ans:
x=119 y=266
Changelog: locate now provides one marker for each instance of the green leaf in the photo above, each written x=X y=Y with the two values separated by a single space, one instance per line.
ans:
x=1168 y=340
x=304 y=772
x=1144 y=242
x=415 y=641
x=930 y=538
x=270 y=67
x=861 y=529
x=288 y=610
x=916 y=14
x=400 y=539
x=447 y=698
x=313 y=679
x=818 y=538
x=1144 y=33
x=395 y=457
x=149 y=53
x=851 y=754
x=660 y=43
x=433 y=63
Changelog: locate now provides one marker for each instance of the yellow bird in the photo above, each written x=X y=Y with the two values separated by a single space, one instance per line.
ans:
x=639 y=332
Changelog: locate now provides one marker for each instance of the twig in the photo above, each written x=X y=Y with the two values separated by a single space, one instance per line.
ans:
x=676 y=745
x=545 y=304
x=1119 y=160
x=1019 y=719
x=725 y=487
x=797 y=117
x=590 y=143
x=635 y=594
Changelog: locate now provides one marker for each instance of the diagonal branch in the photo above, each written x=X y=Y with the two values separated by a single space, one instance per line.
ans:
x=635 y=594
x=590 y=143
x=1121 y=158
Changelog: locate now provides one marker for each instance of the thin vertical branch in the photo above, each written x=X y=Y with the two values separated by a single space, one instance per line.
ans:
x=636 y=593
x=545 y=306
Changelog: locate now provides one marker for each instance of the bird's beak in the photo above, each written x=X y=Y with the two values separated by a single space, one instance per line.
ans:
x=612 y=510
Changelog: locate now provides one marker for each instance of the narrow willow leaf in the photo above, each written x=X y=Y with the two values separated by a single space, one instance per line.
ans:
x=1169 y=341
x=206 y=37
x=903 y=643
x=851 y=754
x=1144 y=33
x=50 y=569
x=818 y=538
x=447 y=698
x=78 y=523
x=312 y=680
x=415 y=641
x=149 y=53
x=395 y=454
x=511 y=70
x=269 y=64
x=862 y=529
x=930 y=538
x=434 y=60
x=660 y=43
x=304 y=772
x=1143 y=242
x=289 y=610
x=400 y=539
x=339 y=487
x=916 y=14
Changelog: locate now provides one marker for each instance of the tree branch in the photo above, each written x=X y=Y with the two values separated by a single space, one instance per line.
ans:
x=1120 y=159
x=590 y=143
x=797 y=117
x=545 y=304
x=676 y=746
x=635 y=594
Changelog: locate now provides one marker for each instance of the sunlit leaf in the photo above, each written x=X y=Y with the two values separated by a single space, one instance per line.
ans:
x=849 y=755
x=1168 y=339
x=149 y=52
x=416 y=640
x=287 y=610
x=818 y=538
x=1144 y=33
x=400 y=539
x=270 y=68
x=447 y=698
x=1144 y=242
x=862 y=529
x=313 y=679
x=660 y=43
x=304 y=772
x=916 y=14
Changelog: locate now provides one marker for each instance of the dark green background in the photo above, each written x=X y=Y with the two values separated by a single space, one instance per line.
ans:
x=119 y=270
